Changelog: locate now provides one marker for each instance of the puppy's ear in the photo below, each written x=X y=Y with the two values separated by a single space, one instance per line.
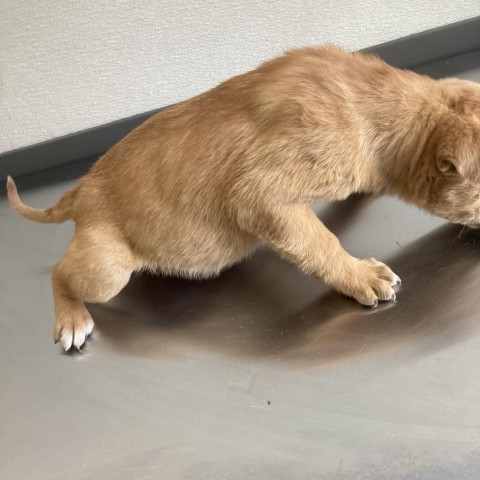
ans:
x=447 y=166
x=456 y=143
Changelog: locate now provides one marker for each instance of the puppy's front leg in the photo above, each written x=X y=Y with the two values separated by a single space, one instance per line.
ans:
x=296 y=233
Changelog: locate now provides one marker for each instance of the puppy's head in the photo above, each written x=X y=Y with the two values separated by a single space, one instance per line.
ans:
x=447 y=179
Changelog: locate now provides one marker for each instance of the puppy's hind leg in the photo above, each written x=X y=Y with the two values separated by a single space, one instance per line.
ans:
x=98 y=264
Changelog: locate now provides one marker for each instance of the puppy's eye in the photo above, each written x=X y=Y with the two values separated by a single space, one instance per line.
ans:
x=446 y=165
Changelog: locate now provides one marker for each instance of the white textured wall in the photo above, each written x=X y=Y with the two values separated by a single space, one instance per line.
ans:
x=67 y=65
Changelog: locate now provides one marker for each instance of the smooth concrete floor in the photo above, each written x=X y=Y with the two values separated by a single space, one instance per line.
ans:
x=262 y=373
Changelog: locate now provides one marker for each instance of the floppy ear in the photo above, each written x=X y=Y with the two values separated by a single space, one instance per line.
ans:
x=447 y=166
x=457 y=146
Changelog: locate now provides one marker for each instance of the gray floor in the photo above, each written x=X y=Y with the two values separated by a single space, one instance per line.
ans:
x=262 y=373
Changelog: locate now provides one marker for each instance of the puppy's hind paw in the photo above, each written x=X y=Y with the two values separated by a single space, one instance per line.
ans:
x=73 y=330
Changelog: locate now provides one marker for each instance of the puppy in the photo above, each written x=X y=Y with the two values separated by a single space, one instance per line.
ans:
x=197 y=187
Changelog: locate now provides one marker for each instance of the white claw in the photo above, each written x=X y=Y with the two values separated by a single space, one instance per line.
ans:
x=66 y=339
x=89 y=327
x=79 y=338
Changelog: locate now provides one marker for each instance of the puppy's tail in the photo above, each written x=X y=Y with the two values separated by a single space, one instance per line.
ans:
x=59 y=213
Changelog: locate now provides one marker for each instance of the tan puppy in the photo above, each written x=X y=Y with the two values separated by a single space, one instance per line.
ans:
x=199 y=186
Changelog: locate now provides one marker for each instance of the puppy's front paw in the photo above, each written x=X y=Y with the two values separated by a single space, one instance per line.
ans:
x=370 y=282
x=73 y=328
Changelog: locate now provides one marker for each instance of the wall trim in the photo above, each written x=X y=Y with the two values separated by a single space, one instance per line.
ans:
x=407 y=52
x=432 y=45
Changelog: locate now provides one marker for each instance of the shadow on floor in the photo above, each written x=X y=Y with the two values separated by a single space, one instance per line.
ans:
x=265 y=308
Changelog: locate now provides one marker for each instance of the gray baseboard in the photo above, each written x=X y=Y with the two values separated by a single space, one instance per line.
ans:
x=432 y=45
x=414 y=52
